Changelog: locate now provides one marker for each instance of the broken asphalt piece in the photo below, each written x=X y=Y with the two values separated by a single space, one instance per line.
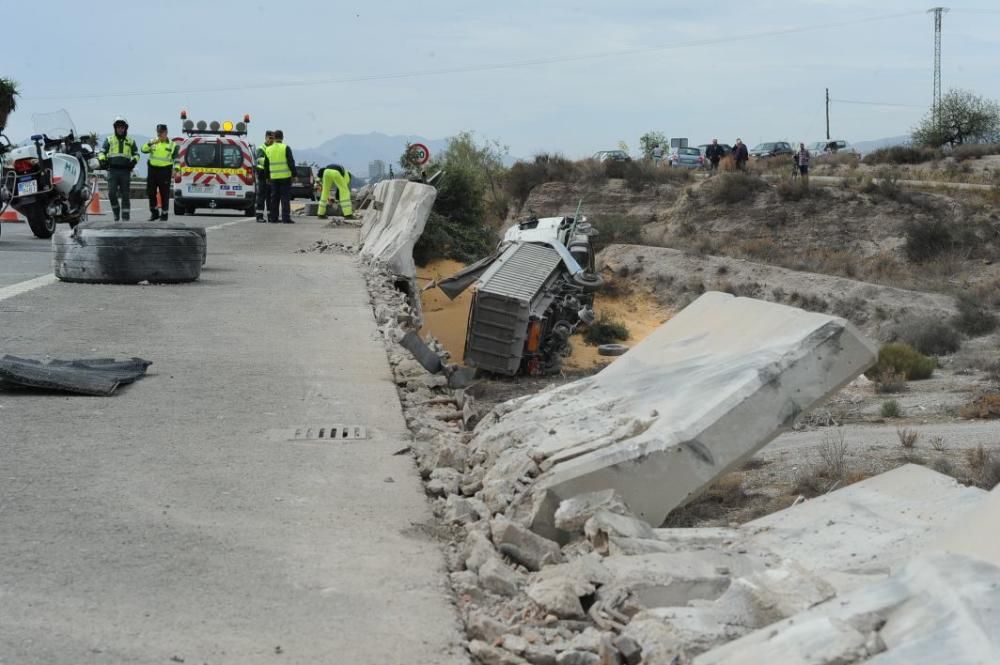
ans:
x=95 y=376
x=692 y=401
x=425 y=356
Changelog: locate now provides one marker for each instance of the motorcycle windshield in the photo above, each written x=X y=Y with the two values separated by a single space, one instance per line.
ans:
x=54 y=125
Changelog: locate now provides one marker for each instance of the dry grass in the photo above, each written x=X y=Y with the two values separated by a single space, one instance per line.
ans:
x=984 y=466
x=828 y=471
x=907 y=438
x=984 y=406
x=891 y=409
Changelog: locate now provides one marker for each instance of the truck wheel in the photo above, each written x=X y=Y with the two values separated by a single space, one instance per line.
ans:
x=40 y=224
x=179 y=210
x=611 y=349
x=128 y=256
x=171 y=226
x=588 y=281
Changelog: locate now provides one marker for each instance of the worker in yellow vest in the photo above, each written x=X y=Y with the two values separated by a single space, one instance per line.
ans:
x=119 y=155
x=162 y=153
x=280 y=166
x=336 y=179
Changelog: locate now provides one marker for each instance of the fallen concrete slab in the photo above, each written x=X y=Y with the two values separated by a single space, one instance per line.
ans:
x=867 y=530
x=384 y=198
x=397 y=226
x=692 y=401
x=974 y=532
x=941 y=608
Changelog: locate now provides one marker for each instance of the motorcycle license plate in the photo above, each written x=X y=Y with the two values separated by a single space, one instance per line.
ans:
x=27 y=187
x=195 y=189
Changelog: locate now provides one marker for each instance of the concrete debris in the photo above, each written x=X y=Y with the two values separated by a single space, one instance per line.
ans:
x=557 y=494
x=323 y=246
x=658 y=424
x=391 y=230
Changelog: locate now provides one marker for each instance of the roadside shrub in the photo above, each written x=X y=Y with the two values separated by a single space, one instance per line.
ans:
x=930 y=336
x=792 y=190
x=617 y=229
x=907 y=438
x=984 y=465
x=903 y=154
x=926 y=239
x=734 y=187
x=837 y=159
x=903 y=360
x=973 y=319
x=525 y=176
x=967 y=151
x=888 y=380
x=447 y=239
x=890 y=409
x=606 y=330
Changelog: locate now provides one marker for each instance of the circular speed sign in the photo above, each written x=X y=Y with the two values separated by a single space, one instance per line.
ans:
x=420 y=154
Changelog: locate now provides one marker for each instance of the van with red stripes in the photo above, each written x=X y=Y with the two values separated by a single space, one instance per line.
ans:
x=215 y=167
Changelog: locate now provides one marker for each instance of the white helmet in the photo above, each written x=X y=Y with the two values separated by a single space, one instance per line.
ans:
x=119 y=119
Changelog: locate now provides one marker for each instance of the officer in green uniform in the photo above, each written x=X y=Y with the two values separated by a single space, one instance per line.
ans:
x=280 y=166
x=119 y=155
x=162 y=152
x=263 y=181
x=335 y=179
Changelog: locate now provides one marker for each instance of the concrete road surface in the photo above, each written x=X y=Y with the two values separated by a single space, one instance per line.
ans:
x=174 y=522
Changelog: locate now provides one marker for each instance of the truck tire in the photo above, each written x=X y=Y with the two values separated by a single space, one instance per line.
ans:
x=611 y=349
x=179 y=209
x=40 y=224
x=145 y=226
x=128 y=256
x=588 y=281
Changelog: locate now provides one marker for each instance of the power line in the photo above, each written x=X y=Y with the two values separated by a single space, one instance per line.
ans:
x=486 y=67
x=867 y=103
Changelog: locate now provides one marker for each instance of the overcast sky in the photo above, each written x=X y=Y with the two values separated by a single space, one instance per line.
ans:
x=84 y=56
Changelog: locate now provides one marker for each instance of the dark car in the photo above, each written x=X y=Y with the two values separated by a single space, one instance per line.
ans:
x=304 y=183
x=767 y=150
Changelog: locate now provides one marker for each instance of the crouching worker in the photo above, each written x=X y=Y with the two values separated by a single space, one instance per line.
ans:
x=335 y=177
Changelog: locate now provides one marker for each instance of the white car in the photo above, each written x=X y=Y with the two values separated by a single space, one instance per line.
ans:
x=831 y=147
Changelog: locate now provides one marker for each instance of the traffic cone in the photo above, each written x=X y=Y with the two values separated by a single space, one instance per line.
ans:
x=95 y=202
x=10 y=215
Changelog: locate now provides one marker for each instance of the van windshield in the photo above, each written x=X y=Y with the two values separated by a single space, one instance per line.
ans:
x=201 y=154
x=214 y=155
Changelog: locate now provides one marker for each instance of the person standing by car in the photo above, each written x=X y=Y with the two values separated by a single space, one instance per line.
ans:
x=802 y=160
x=657 y=154
x=162 y=152
x=263 y=182
x=119 y=155
x=741 y=155
x=714 y=154
x=335 y=179
x=280 y=165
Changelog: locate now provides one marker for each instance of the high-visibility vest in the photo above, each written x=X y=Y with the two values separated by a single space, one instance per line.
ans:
x=160 y=154
x=119 y=152
x=261 y=154
x=277 y=156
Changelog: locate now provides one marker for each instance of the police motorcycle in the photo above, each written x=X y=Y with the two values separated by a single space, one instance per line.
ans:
x=48 y=180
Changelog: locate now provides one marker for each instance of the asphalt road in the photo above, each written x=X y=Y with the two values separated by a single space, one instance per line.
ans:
x=175 y=521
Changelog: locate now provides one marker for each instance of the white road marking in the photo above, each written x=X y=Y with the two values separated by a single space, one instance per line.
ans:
x=238 y=221
x=28 y=285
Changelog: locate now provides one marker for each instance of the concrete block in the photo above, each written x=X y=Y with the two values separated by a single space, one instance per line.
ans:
x=573 y=513
x=385 y=198
x=391 y=237
x=940 y=608
x=974 y=533
x=691 y=402
x=527 y=548
x=559 y=596
x=496 y=577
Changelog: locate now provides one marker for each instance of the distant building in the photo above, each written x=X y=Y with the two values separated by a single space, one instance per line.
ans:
x=377 y=171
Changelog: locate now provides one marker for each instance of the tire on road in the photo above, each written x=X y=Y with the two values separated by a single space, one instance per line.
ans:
x=39 y=222
x=172 y=226
x=127 y=256
x=611 y=349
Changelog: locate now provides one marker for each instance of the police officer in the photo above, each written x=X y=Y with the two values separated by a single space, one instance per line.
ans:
x=162 y=152
x=263 y=181
x=337 y=179
x=119 y=155
x=280 y=166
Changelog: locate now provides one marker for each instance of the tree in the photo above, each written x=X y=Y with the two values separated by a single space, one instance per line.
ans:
x=484 y=162
x=650 y=140
x=8 y=100
x=964 y=117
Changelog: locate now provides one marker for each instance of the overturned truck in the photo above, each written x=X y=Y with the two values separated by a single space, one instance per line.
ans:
x=530 y=296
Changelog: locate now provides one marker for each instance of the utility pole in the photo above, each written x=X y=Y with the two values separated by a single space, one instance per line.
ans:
x=936 y=103
x=828 y=114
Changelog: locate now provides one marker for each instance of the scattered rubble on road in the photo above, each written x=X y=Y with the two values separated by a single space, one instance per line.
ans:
x=95 y=376
x=543 y=501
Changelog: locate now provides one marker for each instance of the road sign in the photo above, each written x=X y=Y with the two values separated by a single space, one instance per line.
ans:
x=678 y=143
x=420 y=154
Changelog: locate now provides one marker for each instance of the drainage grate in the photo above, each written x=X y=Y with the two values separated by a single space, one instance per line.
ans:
x=331 y=433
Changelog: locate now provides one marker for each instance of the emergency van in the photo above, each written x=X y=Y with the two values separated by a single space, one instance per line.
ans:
x=215 y=167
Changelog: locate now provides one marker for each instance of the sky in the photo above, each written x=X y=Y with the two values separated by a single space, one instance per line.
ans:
x=569 y=76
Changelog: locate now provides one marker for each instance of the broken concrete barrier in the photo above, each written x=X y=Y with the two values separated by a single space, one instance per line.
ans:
x=691 y=402
x=395 y=228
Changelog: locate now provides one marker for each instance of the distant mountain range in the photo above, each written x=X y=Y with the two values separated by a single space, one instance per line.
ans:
x=355 y=151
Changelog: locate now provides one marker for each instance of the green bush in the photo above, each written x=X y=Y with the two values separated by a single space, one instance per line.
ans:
x=902 y=359
x=792 y=190
x=444 y=238
x=734 y=187
x=605 y=330
x=890 y=409
x=927 y=238
x=903 y=154
x=930 y=335
x=973 y=319
x=525 y=176
x=613 y=229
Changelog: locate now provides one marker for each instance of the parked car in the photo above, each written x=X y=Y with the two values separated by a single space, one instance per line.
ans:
x=832 y=147
x=612 y=156
x=685 y=157
x=768 y=150
x=304 y=183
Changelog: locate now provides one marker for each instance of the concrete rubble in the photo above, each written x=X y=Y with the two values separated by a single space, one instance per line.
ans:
x=548 y=509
